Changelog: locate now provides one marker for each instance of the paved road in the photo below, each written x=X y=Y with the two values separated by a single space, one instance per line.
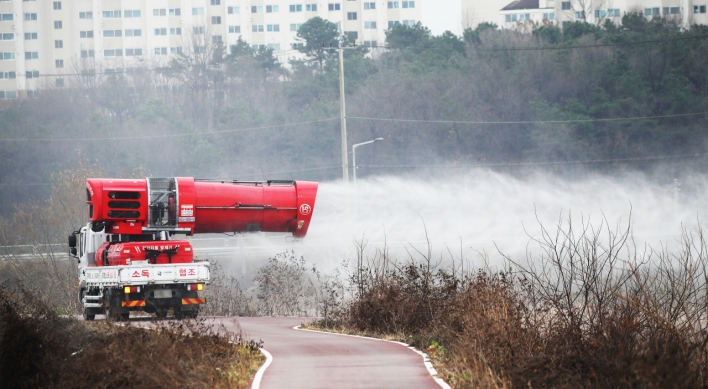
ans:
x=308 y=359
x=304 y=359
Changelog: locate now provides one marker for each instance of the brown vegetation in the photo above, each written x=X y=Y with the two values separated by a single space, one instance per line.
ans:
x=583 y=313
x=39 y=348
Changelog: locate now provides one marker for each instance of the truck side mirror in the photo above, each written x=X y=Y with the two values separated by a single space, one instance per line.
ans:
x=72 y=251
x=72 y=241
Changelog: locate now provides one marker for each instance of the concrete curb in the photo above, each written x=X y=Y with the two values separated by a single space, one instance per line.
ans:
x=259 y=374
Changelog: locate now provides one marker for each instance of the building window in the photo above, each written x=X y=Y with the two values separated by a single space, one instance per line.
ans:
x=60 y=82
x=30 y=36
x=215 y=2
x=370 y=25
x=409 y=23
x=137 y=32
x=159 y=12
x=7 y=56
x=6 y=17
x=672 y=10
x=57 y=5
x=257 y=9
x=160 y=31
x=198 y=30
x=257 y=28
x=85 y=15
x=160 y=51
x=392 y=4
x=58 y=44
x=273 y=27
x=370 y=43
x=272 y=9
x=9 y=75
x=613 y=13
x=135 y=13
x=408 y=4
x=565 y=5
x=7 y=36
x=198 y=11
x=600 y=13
x=549 y=16
x=352 y=36
x=59 y=63
x=369 y=5
x=32 y=93
x=311 y=7
x=113 y=53
x=216 y=20
x=351 y=15
x=86 y=34
x=334 y=7
x=175 y=12
x=31 y=55
x=200 y=49
x=176 y=31
x=87 y=54
x=111 y=14
x=699 y=9
x=295 y=7
x=8 y=94
x=32 y=74
x=57 y=24
x=297 y=45
x=31 y=16
x=295 y=27
x=112 y=33
x=274 y=46
x=133 y=52
x=234 y=29
x=176 y=50
x=233 y=10
x=651 y=11
x=258 y=47
x=216 y=39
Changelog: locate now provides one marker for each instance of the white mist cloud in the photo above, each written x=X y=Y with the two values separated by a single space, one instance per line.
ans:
x=473 y=212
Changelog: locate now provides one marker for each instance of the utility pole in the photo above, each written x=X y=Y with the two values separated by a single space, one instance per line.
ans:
x=342 y=109
x=343 y=114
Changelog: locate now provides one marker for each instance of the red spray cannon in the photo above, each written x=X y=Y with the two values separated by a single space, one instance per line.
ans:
x=188 y=205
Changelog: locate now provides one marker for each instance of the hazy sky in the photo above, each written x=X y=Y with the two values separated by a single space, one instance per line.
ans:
x=442 y=15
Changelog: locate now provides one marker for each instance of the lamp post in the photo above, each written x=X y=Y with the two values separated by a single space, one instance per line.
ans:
x=354 y=154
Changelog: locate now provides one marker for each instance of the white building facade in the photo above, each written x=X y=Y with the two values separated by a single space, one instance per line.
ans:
x=42 y=42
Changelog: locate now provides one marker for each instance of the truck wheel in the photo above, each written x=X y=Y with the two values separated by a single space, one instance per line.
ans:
x=88 y=316
x=161 y=314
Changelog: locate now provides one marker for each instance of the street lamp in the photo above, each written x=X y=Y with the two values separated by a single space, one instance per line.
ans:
x=354 y=154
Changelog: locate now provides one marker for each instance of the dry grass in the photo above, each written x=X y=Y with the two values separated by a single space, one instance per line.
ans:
x=39 y=348
x=583 y=313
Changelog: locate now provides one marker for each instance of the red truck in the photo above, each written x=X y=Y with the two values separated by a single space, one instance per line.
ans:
x=128 y=259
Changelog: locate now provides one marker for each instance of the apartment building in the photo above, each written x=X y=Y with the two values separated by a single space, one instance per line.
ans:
x=43 y=43
x=516 y=13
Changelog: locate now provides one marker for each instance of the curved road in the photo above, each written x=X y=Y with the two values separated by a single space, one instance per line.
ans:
x=306 y=359
x=309 y=359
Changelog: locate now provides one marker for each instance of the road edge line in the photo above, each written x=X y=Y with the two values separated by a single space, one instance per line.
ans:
x=256 y=384
x=426 y=360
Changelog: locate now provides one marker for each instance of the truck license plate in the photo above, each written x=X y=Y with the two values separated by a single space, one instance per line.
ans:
x=163 y=294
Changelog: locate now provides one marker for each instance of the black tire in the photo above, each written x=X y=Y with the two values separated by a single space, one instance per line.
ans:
x=161 y=314
x=88 y=316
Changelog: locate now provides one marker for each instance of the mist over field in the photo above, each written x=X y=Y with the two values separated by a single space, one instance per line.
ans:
x=478 y=211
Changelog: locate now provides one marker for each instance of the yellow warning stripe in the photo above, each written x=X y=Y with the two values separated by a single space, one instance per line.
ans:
x=133 y=303
x=190 y=301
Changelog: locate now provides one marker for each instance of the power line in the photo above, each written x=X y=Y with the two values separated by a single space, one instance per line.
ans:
x=170 y=135
x=581 y=162
x=546 y=48
x=528 y=121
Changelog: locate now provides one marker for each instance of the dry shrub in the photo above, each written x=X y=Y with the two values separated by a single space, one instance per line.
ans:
x=39 y=348
x=587 y=311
